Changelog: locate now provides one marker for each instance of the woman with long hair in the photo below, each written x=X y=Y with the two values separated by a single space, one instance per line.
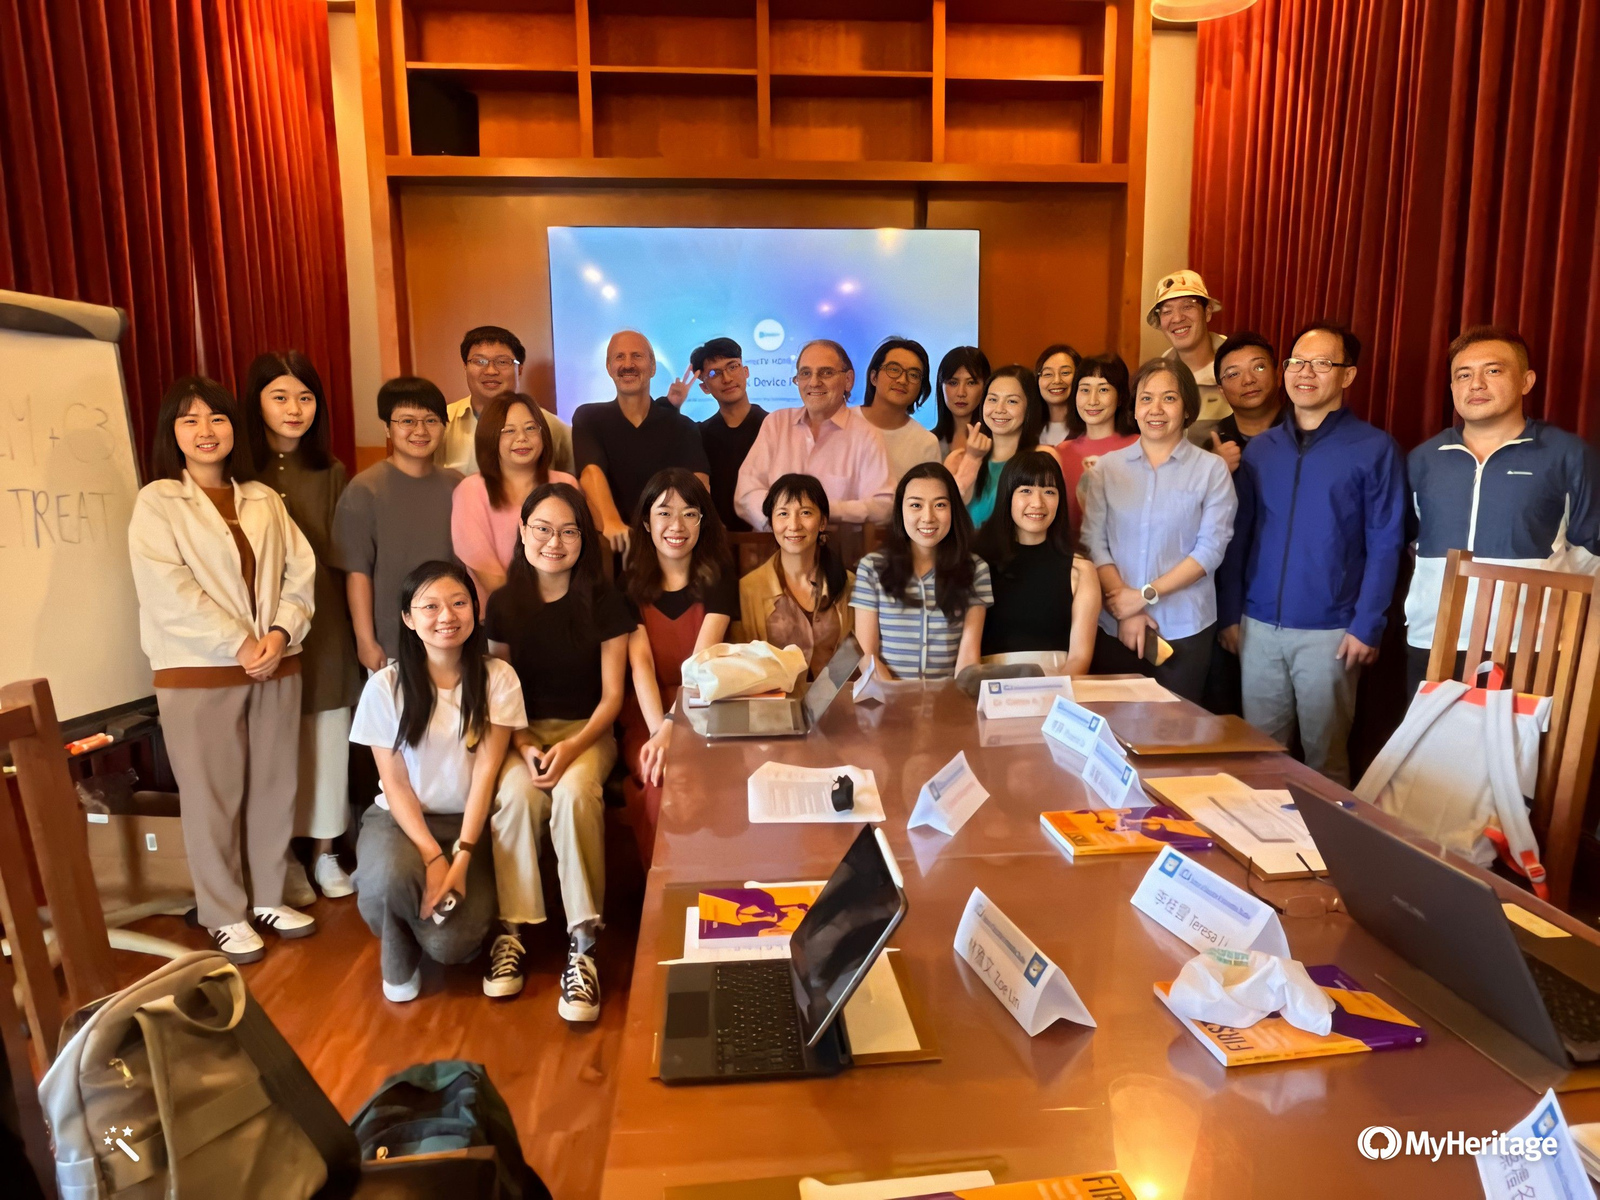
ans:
x=514 y=449
x=565 y=629
x=438 y=719
x=1054 y=371
x=1099 y=421
x=958 y=395
x=1045 y=597
x=680 y=580
x=801 y=595
x=1158 y=517
x=920 y=599
x=1013 y=415
x=287 y=418
x=225 y=579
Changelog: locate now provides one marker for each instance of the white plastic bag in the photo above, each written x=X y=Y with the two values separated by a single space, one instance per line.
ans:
x=727 y=670
x=1237 y=988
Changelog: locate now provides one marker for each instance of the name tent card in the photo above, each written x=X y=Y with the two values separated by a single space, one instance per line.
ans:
x=1074 y=726
x=948 y=799
x=1032 y=988
x=1030 y=697
x=868 y=687
x=1205 y=910
x=1536 y=1159
x=1109 y=775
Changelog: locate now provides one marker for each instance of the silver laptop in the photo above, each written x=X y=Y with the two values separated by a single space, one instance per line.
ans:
x=782 y=716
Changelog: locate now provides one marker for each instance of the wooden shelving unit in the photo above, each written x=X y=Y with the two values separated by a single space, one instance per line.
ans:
x=1024 y=118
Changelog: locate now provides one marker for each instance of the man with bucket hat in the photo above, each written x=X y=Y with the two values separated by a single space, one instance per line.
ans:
x=1182 y=310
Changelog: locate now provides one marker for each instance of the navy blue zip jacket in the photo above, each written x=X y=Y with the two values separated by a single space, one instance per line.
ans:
x=1321 y=525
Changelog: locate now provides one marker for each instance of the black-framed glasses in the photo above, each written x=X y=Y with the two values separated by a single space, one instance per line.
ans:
x=912 y=375
x=1320 y=365
x=1301 y=904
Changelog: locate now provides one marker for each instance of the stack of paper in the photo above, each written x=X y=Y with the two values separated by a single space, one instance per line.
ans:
x=781 y=793
x=1587 y=1138
x=1262 y=828
x=1086 y=689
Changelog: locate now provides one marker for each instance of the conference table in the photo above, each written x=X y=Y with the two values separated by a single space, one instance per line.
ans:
x=1137 y=1094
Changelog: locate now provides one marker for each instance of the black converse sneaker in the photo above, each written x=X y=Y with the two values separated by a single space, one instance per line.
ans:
x=504 y=976
x=580 y=987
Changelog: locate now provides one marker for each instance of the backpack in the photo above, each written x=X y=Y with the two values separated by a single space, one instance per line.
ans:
x=1459 y=769
x=446 y=1105
x=180 y=1087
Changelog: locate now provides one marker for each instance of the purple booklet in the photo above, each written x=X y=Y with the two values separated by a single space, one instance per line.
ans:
x=763 y=913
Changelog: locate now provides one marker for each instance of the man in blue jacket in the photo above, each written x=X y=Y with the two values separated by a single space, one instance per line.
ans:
x=1304 y=590
x=1506 y=488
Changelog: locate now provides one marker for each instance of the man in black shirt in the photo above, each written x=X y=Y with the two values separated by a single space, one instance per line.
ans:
x=619 y=444
x=729 y=434
x=1247 y=371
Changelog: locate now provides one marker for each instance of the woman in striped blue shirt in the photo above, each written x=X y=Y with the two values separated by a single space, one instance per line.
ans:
x=920 y=601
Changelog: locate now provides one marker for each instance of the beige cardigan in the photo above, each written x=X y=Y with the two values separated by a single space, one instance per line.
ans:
x=758 y=596
x=194 y=610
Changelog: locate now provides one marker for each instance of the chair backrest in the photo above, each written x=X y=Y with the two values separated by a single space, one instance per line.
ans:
x=750 y=550
x=1543 y=629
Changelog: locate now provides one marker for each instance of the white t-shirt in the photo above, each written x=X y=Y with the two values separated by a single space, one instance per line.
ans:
x=1054 y=433
x=440 y=766
x=907 y=446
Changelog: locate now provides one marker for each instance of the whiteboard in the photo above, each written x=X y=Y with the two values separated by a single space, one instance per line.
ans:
x=68 y=478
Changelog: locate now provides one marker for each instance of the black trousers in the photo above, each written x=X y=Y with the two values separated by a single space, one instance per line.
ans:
x=1184 y=674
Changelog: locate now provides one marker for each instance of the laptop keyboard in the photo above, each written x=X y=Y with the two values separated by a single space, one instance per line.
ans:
x=1574 y=1010
x=758 y=1030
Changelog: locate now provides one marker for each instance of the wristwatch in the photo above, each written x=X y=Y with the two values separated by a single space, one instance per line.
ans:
x=1148 y=591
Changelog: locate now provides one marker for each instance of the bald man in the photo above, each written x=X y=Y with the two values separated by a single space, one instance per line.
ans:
x=619 y=444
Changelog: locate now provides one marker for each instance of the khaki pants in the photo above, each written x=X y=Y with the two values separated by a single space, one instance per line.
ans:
x=573 y=811
x=322 y=801
x=234 y=750
x=1292 y=680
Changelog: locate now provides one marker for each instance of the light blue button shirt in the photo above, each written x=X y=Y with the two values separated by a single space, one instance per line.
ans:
x=1145 y=521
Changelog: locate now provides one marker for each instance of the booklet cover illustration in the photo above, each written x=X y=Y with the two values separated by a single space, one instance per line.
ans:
x=1141 y=830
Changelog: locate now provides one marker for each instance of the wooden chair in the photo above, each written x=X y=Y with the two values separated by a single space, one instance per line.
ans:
x=750 y=550
x=1546 y=636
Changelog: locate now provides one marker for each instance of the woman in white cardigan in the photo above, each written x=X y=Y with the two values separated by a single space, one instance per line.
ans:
x=225 y=599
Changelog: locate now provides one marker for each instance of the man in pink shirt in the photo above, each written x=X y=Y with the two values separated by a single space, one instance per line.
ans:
x=824 y=438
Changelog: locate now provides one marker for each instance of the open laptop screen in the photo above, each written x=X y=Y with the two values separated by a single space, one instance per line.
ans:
x=846 y=927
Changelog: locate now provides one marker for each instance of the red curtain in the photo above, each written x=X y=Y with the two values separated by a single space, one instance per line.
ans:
x=1413 y=168
x=176 y=158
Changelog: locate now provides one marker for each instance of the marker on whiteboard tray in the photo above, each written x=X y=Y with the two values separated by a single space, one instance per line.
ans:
x=92 y=742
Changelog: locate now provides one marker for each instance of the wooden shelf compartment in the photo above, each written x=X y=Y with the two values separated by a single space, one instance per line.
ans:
x=1020 y=122
x=852 y=118
x=985 y=40
x=673 y=33
x=675 y=115
x=532 y=34
x=820 y=36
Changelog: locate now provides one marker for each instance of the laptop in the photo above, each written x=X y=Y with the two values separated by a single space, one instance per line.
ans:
x=785 y=716
x=1449 y=925
x=779 y=1018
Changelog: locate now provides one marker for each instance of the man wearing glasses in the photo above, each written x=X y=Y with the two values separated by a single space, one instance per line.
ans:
x=1182 y=311
x=1304 y=590
x=824 y=438
x=728 y=433
x=1247 y=371
x=493 y=357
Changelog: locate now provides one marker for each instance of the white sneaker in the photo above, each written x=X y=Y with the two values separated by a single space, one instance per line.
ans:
x=400 y=993
x=285 y=922
x=330 y=878
x=505 y=974
x=297 y=889
x=580 y=987
x=240 y=943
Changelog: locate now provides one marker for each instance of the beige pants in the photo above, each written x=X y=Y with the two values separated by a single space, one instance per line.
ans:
x=234 y=752
x=573 y=811
x=322 y=802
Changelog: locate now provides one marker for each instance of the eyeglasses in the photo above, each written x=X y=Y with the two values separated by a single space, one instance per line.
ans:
x=1301 y=904
x=504 y=363
x=821 y=374
x=732 y=368
x=691 y=516
x=433 y=609
x=407 y=424
x=541 y=532
x=912 y=375
x=1320 y=365
x=1256 y=368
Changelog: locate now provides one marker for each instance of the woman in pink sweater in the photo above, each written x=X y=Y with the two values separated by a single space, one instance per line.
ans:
x=514 y=449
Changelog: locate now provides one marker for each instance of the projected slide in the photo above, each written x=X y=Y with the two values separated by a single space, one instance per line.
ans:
x=771 y=290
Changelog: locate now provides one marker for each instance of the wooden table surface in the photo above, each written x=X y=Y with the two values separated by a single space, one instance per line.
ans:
x=1137 y=1094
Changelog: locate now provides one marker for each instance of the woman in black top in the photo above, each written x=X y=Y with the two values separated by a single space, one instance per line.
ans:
x=1044 y=597
x=565 y=630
